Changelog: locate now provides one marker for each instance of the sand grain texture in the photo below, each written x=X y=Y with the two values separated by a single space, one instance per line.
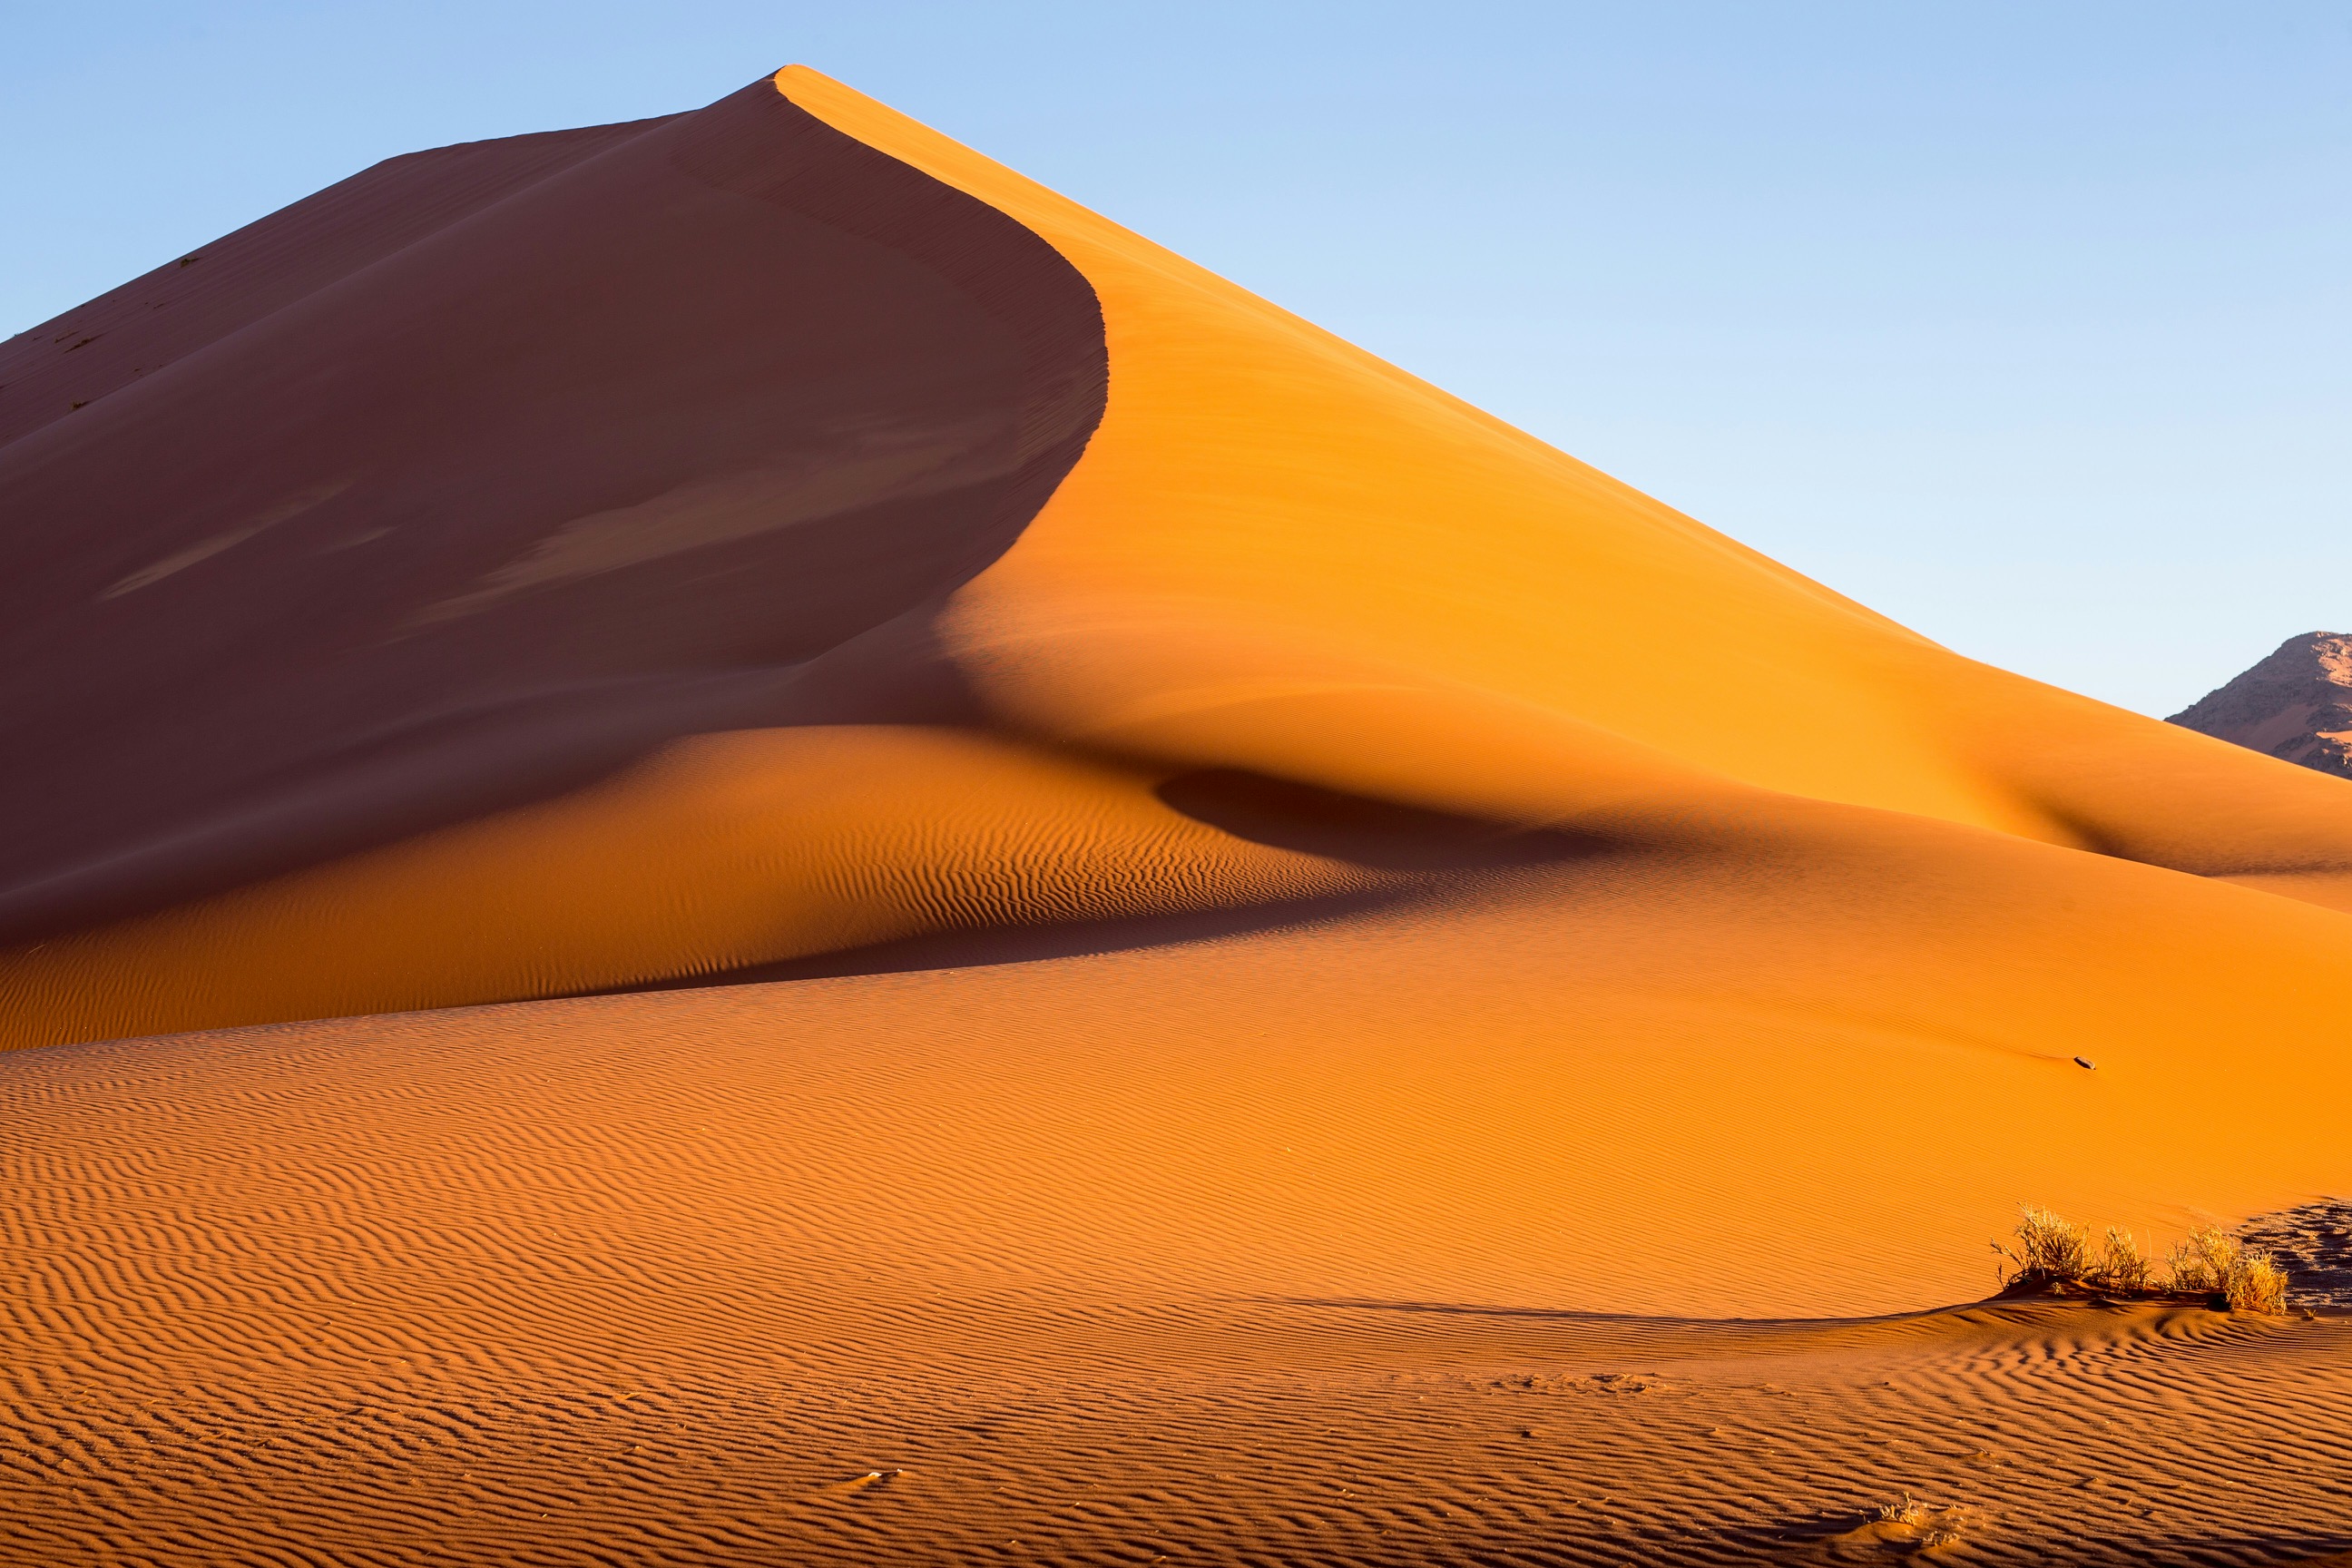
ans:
x=714 y=1278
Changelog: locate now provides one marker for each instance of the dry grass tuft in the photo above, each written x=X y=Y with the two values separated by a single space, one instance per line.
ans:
x=2123 y=1267
x=2054 y=1255
x=2049 y=1252
x=2219 y=1264
x=1905 y=1512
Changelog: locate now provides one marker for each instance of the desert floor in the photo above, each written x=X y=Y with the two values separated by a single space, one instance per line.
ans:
x=758 y=1274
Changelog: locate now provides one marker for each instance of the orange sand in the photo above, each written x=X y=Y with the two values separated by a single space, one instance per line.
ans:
x=1114 y=1257
x=1699 y=945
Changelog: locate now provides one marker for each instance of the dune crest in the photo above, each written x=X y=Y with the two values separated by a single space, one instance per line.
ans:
x=1261 y=492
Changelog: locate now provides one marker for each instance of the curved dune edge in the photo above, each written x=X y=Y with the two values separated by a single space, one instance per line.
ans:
x=1262 y=496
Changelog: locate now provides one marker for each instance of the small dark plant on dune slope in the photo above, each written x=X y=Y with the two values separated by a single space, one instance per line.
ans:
x=2054 y=1256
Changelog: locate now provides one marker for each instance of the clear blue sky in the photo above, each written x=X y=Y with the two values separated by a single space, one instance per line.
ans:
x=2029 y=324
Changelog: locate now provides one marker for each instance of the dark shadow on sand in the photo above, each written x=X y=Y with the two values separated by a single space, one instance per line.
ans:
x=1363 y=831
x=974 y=949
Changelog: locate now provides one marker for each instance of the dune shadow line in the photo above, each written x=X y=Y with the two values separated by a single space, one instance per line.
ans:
x=1308 y=819
x=980 y=947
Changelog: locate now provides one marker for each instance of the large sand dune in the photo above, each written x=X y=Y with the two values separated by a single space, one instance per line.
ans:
x=1286 y=940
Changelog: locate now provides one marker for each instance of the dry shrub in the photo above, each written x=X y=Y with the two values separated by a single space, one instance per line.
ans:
x=2218 y=1265
x=2051 y=1254
x=2124 y=1268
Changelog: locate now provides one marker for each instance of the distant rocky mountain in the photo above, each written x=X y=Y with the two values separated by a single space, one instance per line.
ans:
x=2295 y=704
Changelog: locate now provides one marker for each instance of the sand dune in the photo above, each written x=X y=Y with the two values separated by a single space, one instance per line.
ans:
x=560 y=478
x=1331 y=983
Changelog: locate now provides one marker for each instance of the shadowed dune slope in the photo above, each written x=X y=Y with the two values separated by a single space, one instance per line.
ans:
x=496 y=470
x=188 y=303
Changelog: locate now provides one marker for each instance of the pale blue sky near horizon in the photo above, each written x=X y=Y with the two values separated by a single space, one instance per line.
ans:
x=2027 y=324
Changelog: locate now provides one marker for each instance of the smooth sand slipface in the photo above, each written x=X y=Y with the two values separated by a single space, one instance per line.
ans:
x=1616 y=923
x=688 y=434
